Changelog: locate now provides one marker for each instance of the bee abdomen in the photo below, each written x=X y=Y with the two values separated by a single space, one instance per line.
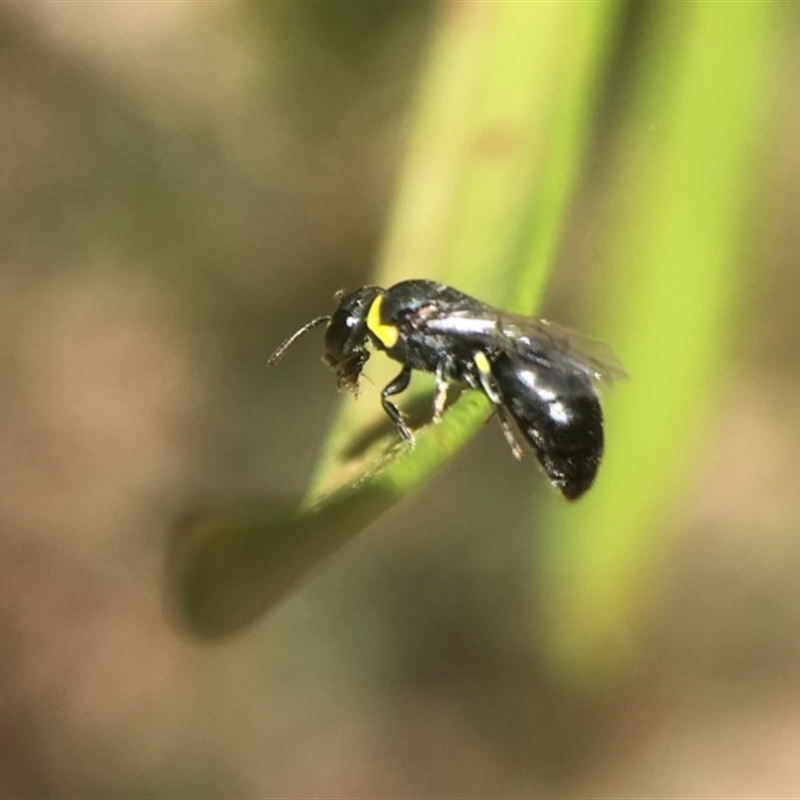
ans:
x=559 y=414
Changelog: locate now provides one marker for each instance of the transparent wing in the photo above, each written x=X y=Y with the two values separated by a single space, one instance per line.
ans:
x=536 y=340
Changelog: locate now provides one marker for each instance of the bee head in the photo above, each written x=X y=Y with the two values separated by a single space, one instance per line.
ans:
x=347 y=335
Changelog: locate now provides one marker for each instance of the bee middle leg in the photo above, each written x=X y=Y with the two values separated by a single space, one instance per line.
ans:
x=439 y=397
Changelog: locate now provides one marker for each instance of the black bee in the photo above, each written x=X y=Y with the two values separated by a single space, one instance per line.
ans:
x=532 y=371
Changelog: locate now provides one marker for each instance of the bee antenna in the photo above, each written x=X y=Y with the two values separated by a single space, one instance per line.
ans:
x=284 y=346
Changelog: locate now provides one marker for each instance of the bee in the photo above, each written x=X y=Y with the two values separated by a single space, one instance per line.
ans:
x=535 y=373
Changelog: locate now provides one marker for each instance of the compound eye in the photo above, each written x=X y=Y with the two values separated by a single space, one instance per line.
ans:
x=338 y=336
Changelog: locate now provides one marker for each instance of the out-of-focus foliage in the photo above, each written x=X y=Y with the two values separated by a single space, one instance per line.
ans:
x=181 y=185
x=678 y=256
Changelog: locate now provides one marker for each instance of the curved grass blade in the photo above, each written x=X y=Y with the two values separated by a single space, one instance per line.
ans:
x=504 y=112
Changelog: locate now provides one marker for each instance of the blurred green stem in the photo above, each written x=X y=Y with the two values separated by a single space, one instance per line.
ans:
x=685 y=174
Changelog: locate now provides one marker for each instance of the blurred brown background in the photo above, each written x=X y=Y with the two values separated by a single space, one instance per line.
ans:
x=181 y=185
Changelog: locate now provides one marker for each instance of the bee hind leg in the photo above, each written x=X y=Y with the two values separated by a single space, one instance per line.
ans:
x=489 y=387
x=516 y=449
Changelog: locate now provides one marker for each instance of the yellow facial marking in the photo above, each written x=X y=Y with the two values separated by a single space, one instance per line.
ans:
x=482 y=363
x=385 y=334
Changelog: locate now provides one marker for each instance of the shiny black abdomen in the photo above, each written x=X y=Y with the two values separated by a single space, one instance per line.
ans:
x=559 y=413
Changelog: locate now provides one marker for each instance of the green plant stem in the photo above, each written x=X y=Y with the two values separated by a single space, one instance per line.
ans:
x=685 y=176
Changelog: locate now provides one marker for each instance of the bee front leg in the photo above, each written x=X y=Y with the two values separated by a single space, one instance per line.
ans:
x=399 y=384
